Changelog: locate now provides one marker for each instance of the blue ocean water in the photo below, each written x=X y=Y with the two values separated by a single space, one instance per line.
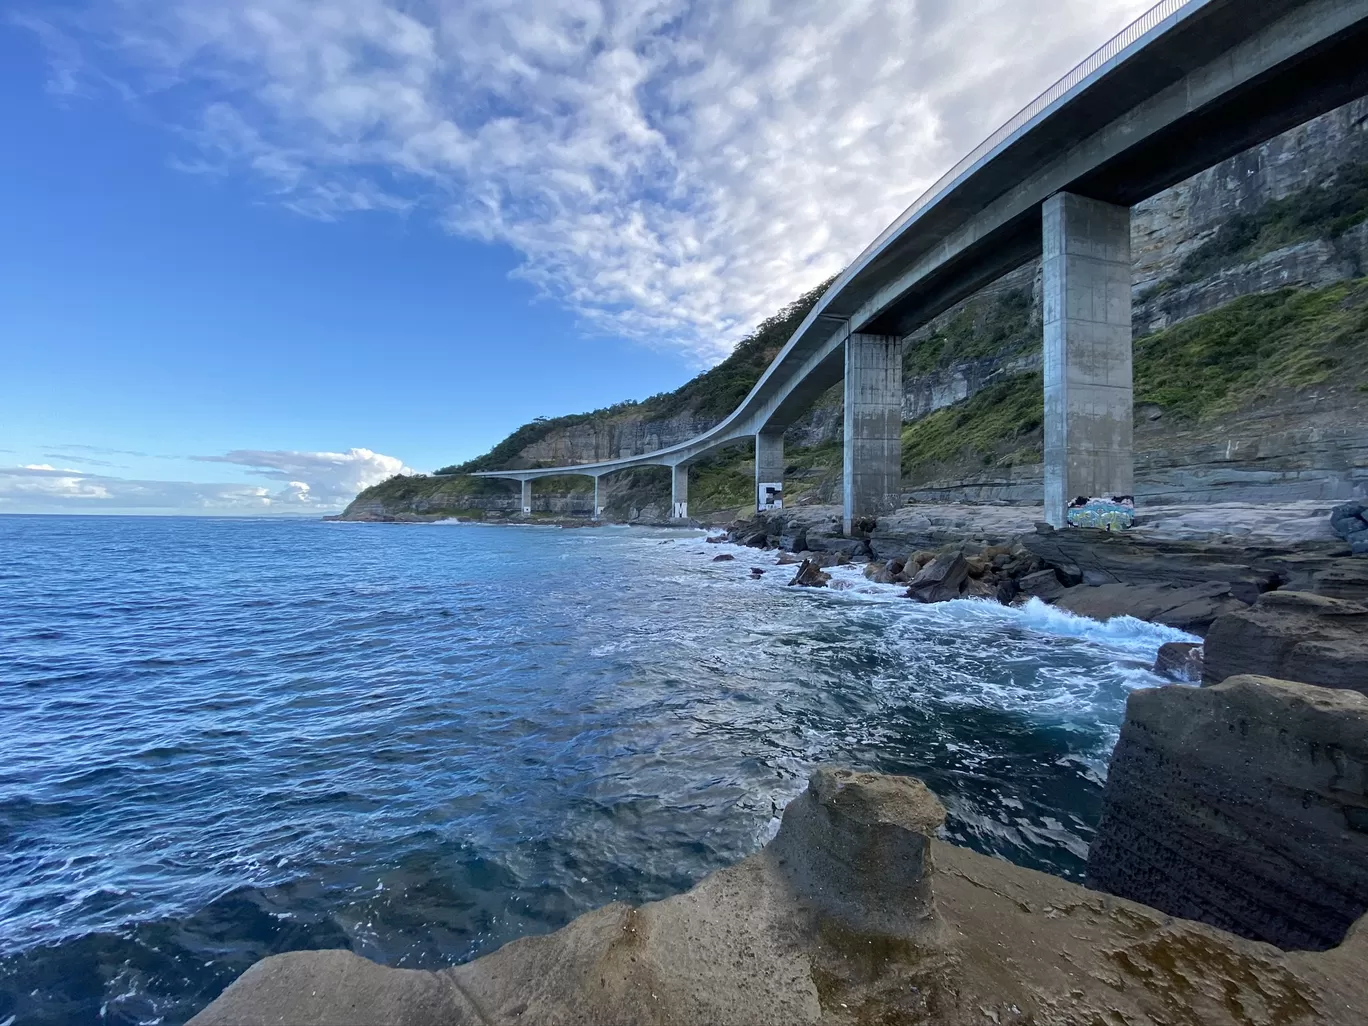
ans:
x=225 y=738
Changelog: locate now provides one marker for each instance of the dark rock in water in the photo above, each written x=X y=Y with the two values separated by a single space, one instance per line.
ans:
x=757 y=572
x=810 y=575
x=1190 y=609
x=1180 y=661
x=757 y=540
x=1008 y=590
x=1242 y=805
x=787 y=558
x=1358 y=542
x=716 y=539
x=940 y=580
x=1043 y=584
x=1295 y=636
x=725 y=557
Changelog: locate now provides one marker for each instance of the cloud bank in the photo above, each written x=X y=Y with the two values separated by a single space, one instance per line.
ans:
x=672 y=171
x=301 y=482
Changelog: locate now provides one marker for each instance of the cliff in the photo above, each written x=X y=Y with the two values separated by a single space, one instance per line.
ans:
x=1250 y=325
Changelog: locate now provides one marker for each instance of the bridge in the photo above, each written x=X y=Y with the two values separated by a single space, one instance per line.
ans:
x=1188 y=84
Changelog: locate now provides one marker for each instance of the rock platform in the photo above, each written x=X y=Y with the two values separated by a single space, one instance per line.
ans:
x=853 y=914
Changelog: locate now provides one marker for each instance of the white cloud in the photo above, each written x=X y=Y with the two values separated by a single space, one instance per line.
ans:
x=309 y=482
x=317 y=478
x=671 y=170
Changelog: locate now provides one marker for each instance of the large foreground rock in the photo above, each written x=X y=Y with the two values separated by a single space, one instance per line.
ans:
x=853 y=914
x=1295 y=636
x=1242 y=805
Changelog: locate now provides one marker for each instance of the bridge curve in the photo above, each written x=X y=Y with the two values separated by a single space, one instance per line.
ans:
x=1188 y=84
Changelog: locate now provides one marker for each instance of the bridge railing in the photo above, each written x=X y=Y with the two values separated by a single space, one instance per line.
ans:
x=1128 y=36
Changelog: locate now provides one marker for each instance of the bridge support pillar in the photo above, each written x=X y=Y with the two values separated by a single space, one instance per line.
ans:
x=769 y=470
x=679 y=491
x=872 y=471
x=527 y=496
x=598 y=510
x=1087 y=312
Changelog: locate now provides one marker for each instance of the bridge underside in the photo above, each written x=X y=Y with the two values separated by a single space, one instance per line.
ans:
x=1223 y=76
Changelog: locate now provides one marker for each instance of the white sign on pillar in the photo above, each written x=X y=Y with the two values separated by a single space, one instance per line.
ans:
x=770 y=495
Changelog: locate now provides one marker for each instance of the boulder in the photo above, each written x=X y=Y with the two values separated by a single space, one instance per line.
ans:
x=1180 y=661
x=725 y=557
x=940 y=580
x=1297 y=636
x=788 y=558
x=1242 y=805
x=881 y=824
x=1349 y=519
x=1043 y=585
x=810 y=575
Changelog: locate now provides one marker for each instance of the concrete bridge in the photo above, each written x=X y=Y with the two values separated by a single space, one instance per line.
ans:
x=1187 y=85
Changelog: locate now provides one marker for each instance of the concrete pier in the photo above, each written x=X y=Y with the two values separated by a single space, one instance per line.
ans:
x=1087 y=313
x=872 y=467
x=598 y=510
x=527 y=496
x=769 y=470
x=679 y=491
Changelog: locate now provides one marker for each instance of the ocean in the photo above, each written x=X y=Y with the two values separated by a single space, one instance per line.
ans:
x=227 y=738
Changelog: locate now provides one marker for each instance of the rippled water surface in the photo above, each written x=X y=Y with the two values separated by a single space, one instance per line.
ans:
x=228 y=738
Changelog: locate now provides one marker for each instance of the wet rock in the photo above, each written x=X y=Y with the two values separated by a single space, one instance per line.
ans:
x=1295 y=636
x=1242 y=805
x=1191 y=609
x=1043 y=584
x=940 y=580
x=716 y=539
x=810 y=575
x=788 y=558
x=756 y=572
x=725 y=557
x=1180 y=661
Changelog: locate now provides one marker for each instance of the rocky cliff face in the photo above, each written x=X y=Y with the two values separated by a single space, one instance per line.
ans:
x=1241 y=805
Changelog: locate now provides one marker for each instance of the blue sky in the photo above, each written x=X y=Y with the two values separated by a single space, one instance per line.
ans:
x=256 y=255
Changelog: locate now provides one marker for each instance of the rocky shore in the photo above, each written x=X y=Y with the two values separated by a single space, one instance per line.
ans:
x=855 y=913
x=1227 y=882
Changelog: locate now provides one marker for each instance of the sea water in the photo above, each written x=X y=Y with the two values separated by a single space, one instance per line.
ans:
x=226 y=738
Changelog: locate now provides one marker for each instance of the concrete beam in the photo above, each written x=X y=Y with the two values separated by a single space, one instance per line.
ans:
x=527 y=496
x=1087 y=313
x=872 y=471
x=679 y=491
x=769 y=470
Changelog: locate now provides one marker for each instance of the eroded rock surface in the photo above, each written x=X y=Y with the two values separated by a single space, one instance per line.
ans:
x=1294 y=635
x=854 y=914
x=1242 y=805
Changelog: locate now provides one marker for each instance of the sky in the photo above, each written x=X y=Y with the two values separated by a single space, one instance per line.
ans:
x=256 y=255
